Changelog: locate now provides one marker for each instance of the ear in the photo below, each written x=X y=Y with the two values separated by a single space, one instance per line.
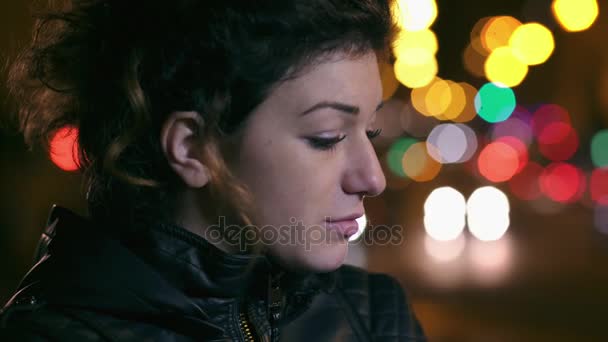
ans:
x=183 y=147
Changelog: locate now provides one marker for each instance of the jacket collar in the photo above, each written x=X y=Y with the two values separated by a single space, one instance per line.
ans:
x=165 y=267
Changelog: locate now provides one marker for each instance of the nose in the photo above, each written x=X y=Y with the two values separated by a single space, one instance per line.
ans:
x=364 y=175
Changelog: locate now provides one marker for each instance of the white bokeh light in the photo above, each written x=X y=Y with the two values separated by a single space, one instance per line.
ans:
x=444 y=251
x=488 y=213
x=444 y=214
x=452 y=143
x=491 y=261
x=415 y=15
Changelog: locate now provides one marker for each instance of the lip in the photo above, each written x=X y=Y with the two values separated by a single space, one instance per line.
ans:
x=345 y=218
x=346 y=228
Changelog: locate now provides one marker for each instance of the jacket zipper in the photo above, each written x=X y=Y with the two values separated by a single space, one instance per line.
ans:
x=246 y=328
x=275 y=304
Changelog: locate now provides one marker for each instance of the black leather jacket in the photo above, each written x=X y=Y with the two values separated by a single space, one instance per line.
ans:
x=171 y=285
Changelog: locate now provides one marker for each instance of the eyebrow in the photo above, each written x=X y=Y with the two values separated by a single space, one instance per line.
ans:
x=342 y=107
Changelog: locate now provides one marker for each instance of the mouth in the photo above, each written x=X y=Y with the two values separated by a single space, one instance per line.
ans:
x=344 y=228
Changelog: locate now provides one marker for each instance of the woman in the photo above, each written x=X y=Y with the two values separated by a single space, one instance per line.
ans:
x=226 y=148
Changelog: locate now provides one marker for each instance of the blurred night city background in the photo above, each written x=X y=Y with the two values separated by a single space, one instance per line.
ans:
x=495 y=149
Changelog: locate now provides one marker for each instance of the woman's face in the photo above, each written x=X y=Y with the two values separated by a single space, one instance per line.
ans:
x=301 y=179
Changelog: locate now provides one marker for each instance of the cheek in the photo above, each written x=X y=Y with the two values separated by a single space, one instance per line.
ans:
x=290 y=180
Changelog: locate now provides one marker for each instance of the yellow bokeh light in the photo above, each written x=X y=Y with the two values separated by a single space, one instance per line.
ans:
x=414 y=15
x=575 y=15
x=468 y=113
x=476 y=36
x=442 y=99
x=389 y=81
x=457 y=101
x=497 y=31
x=504 y=68
x=438 y=98
x=408 y=40
x=416 y=75
x=474 y=61
x=418 y=164
x=532 y=43
x=418 y=97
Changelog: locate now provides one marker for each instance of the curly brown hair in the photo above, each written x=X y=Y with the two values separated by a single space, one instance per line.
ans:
x=116 y=68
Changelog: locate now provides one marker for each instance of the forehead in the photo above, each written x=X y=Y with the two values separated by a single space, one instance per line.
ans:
x=353 y=80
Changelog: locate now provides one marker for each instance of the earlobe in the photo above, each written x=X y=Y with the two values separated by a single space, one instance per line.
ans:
x=183 y=147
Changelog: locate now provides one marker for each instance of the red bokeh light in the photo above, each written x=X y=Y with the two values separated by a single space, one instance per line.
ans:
x=498 y=162
x=64 y=148
x=520 y=147
x=546 y=115
x=599 y=186
x=558 y=141
x=526 y=184
x=562 y=182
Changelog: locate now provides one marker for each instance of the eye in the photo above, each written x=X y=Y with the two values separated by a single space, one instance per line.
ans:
x=325 y=144
x=374 y=133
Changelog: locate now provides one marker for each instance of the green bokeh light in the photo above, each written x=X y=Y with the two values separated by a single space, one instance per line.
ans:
x=395 y=155
x=599 y=148
x=495 y=103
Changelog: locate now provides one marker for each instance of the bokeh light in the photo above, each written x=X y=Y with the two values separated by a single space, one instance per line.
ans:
x=498 y=162
x=575 y=15
x=415 y=124
x=546 y=115
x=408 y=40
x=395 y=155
x=515 y=126
x=488 y=213
x=476 y=36
x=444 y=214
x=458 y=101
x=525 y=184
x=452 y=143
x=558 y=141
x=438 y=98
x=532 y=43
x=519 y=147
x=474 y=61
x=599 y=148
x=468 y=113
x=444 y=251
x=600 y=218
x=491 y=260
x=599 y=186
x=414 y=15
x=495 y=103
x=63 y=149
x=413 y=74
x=502 y=66
x=562 y=182
x=497 y=31
x=418 y=164
x=389 y=81
x=389 y=119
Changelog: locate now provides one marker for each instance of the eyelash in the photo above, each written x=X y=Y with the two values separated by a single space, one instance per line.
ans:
x=326 y=144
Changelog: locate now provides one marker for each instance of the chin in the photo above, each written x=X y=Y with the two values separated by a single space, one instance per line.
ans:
x=327 y=258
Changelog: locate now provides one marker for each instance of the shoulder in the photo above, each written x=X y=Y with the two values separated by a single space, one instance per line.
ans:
x=381 y=301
